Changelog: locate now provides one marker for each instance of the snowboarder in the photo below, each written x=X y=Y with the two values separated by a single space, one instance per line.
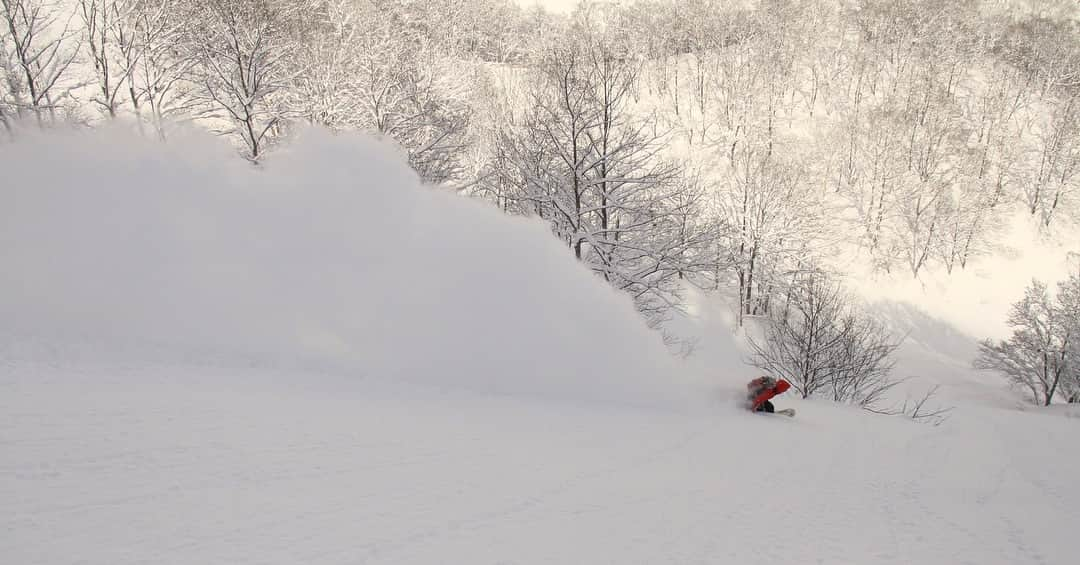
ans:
x=761 y=389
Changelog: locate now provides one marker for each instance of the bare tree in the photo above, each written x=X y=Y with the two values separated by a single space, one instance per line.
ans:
x=9 y=89
x=1054 y=173
x=242 y=49
x=43 y=45
x=110 y=43
x=1045 y=52
x=987 y=172
x=772 y=220
x=369 y=65
x=1036 y=356
x=1068 y=306
x=925 y=198
x=164 y=62
x=328 y=88
x=580 y=160
x=822 y=344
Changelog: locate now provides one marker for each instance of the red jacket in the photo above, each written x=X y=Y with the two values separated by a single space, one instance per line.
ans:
x=760 y=393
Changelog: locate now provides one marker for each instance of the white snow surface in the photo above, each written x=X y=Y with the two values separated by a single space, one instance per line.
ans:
x=321 y=361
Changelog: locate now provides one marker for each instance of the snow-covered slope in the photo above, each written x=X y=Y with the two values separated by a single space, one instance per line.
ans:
x=184 y=465
x=322 y=362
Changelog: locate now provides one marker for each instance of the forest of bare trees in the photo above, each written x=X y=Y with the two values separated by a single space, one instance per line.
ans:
x=666 y=143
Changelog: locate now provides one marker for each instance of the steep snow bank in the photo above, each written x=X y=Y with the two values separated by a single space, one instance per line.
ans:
x=333 y=253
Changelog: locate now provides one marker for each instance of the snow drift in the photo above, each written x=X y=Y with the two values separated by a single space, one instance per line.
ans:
x=331 y=253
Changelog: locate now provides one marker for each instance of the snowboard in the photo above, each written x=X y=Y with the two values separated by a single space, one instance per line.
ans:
x=789 y=412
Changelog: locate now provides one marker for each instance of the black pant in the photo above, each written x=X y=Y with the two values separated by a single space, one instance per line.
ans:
x=766 y=407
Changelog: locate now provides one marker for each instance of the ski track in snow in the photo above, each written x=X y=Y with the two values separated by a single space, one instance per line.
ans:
x=211 y=466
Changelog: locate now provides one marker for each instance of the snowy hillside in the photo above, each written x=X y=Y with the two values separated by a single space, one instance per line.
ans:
x=321 y=361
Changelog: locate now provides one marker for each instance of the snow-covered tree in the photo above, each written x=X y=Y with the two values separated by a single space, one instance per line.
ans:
x=9 y=87
x=164 y=63
x=1036 y=356
x=986 y=166
x=242 y=48
x=110 y=44
x=1052 y=182
x=772 y=224
x=1068 y=305
x=581 y=160
x=369 y=65
x=39 y=44
x=1046 y=52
